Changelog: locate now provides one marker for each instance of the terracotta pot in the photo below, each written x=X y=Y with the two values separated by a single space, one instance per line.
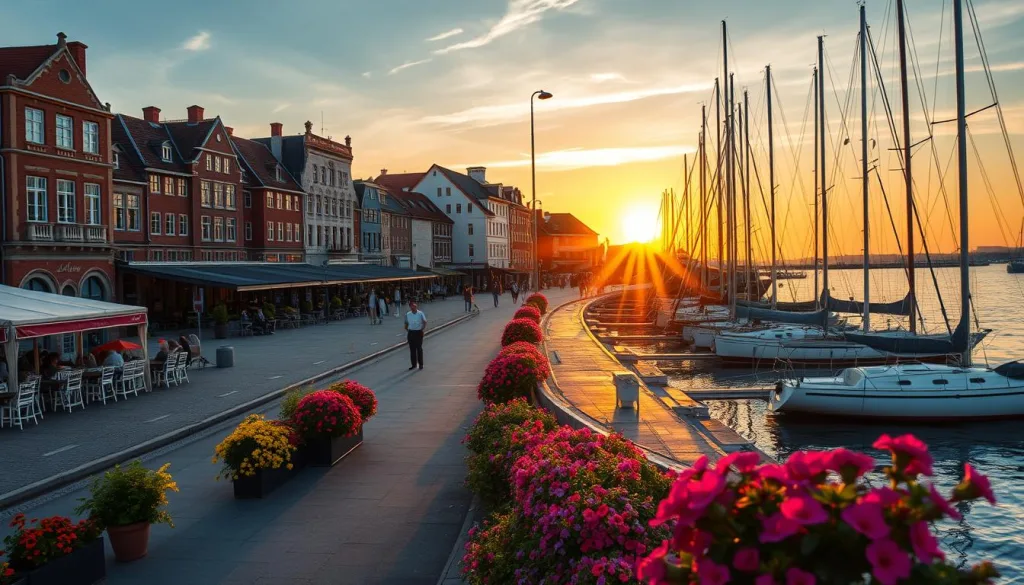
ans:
x=129 y=542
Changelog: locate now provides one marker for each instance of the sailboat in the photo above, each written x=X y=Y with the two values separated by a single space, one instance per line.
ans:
x=918 y=391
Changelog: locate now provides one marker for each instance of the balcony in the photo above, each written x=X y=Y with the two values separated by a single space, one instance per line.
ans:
x=66 y=233
x=96 y=234
x=39 y=232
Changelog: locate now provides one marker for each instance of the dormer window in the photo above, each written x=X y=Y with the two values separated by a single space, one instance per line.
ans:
x=117 y=159
x=165 y=152
x=277 y=173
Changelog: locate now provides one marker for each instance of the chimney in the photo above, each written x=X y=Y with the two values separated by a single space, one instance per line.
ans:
x=62 y=39
x=276 y=128
x=383 y=172
x=195 y=114
x=151 y=114
x=478 y=173
x=77 y=51
x=230 y=130
x=309 y=127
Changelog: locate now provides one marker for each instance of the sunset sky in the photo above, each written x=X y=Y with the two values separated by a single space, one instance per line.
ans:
x=448 y=81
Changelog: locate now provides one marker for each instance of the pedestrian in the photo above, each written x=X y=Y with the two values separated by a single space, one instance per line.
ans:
x=415 y=325
x=372 y=312
x=467 y=295
x=398 y=301
x=382 y=308
x=515 y=293
x=496 y=294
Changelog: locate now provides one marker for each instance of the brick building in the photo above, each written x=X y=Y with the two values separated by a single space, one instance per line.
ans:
x=520 y=229
x=272 y=205
x=55 y=173
x=565 y=244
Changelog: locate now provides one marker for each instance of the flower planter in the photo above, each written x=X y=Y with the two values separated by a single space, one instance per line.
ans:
x=131 y=542
x=266 y=481
x=327 y=452
x=84 y=566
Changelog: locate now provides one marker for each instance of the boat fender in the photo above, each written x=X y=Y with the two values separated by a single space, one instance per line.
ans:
x=778 y=388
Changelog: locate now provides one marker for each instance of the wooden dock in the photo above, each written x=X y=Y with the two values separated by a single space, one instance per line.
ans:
x=729 y=393
x=675 y=356
x=615 y=336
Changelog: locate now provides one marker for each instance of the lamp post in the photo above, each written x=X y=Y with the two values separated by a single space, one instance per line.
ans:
x=533 y=185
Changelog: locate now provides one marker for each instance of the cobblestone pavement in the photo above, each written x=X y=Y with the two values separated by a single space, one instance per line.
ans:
x=389 y=513
x=64 y=441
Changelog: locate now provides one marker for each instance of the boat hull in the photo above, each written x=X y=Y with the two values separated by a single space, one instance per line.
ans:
x=805 y=347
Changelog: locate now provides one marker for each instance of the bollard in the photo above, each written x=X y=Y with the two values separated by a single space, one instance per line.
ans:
x=627 y=390
x=225 y=356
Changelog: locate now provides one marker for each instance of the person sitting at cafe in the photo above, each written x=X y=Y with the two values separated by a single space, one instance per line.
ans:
x=88 y=360
x=161 y=356
x=50 y=366
x=114 y=360
x=172 y=347
x=261 y=325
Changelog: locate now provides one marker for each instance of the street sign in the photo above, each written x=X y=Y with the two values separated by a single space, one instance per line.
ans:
x=197 y=299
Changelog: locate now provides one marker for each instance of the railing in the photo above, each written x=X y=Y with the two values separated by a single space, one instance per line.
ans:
x=39 y=232
x=96 y=233
x=65 y=232
x=68 y=232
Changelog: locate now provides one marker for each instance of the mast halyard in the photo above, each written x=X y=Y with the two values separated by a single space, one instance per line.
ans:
x=821 y=173
x=907 y=176
x=751 y=279
x=733 y=235
x=718 y=188
x=961 y=144
x=771 y=182
x=817 y=229
x=864 y=162
x=703 y=200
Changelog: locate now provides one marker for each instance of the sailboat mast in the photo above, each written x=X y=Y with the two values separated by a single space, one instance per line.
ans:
x=961 y=147
x=703 y=200
x=728 y=167
x=718 y=187
x=821 y=170
x=817 y=229
x=771 y=181
x=751 y=280
x=686 y=208
x=864 y=161
x=733 y=231
x=907 y=176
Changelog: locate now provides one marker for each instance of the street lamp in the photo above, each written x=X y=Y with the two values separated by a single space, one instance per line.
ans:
x=541 y=94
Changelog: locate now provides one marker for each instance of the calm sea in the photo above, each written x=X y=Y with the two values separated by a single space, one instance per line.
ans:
x=996 y=449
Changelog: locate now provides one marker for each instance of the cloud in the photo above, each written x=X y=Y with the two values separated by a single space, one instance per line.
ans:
x=445 y=35
x=199 y=42
x=602 y=77
x=407 y=65
x=577 y=158
x=520 y=13
x=367 y=74
x=280 y=108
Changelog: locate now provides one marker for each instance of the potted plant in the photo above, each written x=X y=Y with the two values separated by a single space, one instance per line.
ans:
x=127 y=501
x=269 y=310
x=307 y=307
x=330 y=426
x=258 y=456
x=521 y=330
x=511 y=376
x=53 y=551
x=337 y=304
x=220 y=321
x=361 y=396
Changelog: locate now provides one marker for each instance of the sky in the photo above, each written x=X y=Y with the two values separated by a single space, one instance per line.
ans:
x=415 y=82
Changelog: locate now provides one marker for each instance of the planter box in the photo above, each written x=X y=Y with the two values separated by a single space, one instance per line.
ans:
x=267 y=480
x=327 y=452
x=84 y=566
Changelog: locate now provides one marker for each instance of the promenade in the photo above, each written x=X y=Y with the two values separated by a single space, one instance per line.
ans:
x=389 y=513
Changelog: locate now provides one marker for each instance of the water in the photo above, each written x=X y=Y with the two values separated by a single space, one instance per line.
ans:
x=994 y=448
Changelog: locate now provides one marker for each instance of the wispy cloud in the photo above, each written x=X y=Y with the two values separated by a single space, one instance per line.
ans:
x=367 y=74
x=603 y=77
x=578 y=158
x=445 y=35
x=407 y=65
x=199 y=42
x=280 y=108
x=520 y=13
x=499 y=114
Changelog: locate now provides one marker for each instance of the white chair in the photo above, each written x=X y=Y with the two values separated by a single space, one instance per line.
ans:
x=166 y=375
x=137 y=380
x=24 y=407
x=104 y=387
x=71 y=395
x=125 y=385
x=181 y=368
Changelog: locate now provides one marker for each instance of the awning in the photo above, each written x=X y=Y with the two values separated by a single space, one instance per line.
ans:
x=27 y=313
x=440 y=271
x=251 y=276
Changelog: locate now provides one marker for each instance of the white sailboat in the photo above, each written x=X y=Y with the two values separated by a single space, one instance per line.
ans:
x=920 y=392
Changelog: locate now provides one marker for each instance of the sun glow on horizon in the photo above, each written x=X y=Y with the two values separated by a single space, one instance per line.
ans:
x=639 y=225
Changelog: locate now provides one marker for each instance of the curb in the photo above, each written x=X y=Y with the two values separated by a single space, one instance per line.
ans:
x=85 y=470
x=455 y=557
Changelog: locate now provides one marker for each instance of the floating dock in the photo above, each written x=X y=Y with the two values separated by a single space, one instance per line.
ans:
x=729 y=393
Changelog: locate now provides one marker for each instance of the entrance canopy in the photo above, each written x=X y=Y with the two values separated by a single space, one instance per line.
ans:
x=25 y=314
x=254 y=276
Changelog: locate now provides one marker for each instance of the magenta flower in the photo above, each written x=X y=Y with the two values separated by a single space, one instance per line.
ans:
x=777 y=527
x=796 y=576
x=940 y=502
x=711 y=573
x=744 y=461
x=867 y=518
x=806 y=464
x=651 y=569
x=848 y=464
x=926 y=547
x=747 y=559
x=910 y=452
x=764 y=580
x=976 y=485
x=883 y=496
x=704 y=491
x=889 y=563
x=803 y=510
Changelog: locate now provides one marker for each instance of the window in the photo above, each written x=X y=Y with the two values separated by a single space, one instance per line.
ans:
x=470 y=226
x=330 y=177
x=280 y=231
x=448 y=191
x=168 y=186
x=65 y=201
x=133 y=214
x=206 y=228
x=344 y=179
x=169 y=224
x=458 y=208
x=248 y=231
x=118 y=204
x=218 y=229
x=270 y=231
x=34 y=125
x=448 y=208
x=65 y=132
x=309 y=205
x=270 y=200
x=181 y=188
x=309 y=235
x=438 y=191
x=469 y=208
x=247 y=195
x=216 y=164
x=117 y=160
x=232 y=229
x=182 y=225
x=209 y=162
x=323 y=175
x=206 y=198
x=288 y=232
x=471 y=250
x=91 y=138
x=154 y=223
x=316 y=174
x=218 y=195
x=154 y=184
x=288 y=202
x=229 y=193
x=277 y=173
x=35 y=193
x=227 y=165
x=165 y=153
x=279 y=205
x=92 y=204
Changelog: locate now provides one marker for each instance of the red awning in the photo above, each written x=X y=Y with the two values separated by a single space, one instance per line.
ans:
x=44 y=329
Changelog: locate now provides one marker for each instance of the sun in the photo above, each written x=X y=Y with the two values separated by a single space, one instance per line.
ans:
x=639 y=225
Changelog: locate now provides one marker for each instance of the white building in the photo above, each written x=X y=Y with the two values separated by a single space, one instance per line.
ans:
x=459 y=197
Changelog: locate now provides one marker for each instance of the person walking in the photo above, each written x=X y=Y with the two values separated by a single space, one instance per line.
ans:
x=415 y=325
x=372 y=309
x=382 y=308
x=515 y=293
x=398 y=301
x=496 y=293
x=467 y=295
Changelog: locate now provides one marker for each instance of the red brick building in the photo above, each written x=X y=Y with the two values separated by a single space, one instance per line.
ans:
x=565 y=244
x=55 y=173
x=520 y=232
x=272 y=205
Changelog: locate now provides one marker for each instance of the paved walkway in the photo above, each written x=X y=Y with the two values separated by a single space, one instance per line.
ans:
x=389 y=513
x=263 y=364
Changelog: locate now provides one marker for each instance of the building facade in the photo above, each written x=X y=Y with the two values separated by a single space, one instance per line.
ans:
x=55 y=173
x=272 y=205
x=374 y=248
x=430 y=229
x=323 y=168
x=520 y=238
x=400 y=234
x=458 y=196
x=565 y=244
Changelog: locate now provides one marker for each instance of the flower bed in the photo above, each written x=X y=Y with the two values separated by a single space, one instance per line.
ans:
x=508 y=377
x=256 y=444
x=521 y=330
x=537 y=300
x=330 y=424
x=361 y=396
x=529 y=350
x=530 y=312
x=53 y=551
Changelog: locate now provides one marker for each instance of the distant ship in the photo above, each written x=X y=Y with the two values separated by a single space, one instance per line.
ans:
x=1015 y=266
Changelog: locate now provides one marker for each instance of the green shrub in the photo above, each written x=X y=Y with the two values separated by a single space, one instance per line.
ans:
x=220 y=314
x=269 y=310
x=291 y=401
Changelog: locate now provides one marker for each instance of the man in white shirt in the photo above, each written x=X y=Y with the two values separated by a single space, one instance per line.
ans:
x=415 y=324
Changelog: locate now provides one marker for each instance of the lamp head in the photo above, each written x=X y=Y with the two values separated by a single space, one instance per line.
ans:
x=543 y=95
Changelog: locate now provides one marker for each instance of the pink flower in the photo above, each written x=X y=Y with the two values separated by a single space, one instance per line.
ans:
x=773 y=471
x=705 y=490
x=747 y=559
x=777 y=528
x=889 y=563
x=941 y=504
x=745 y=462
x=883 y=496
x=926 y=547
x=764 y=580
x=976 y=485
x=867 y=518
x=848 y=464
x=711 y=573
x=911 y=453
x=806 y=464
x=796 y=576
x=803 y=510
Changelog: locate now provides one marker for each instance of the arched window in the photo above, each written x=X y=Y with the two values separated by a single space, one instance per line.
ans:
x=92 y=288
x=37 y=284
x=68 y=291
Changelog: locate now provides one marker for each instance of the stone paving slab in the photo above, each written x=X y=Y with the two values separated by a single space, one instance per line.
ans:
x=263 y=364
x=387 y=514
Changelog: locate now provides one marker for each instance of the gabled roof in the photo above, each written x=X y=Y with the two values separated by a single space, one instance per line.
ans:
x=563 y=224
x=420 y=206
x=188 y=136
x=145 y=140
x=22 y=62
x=261 y=164
x=129 y=166
x=469 y=186
x=393 y=204
x=399 y=182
